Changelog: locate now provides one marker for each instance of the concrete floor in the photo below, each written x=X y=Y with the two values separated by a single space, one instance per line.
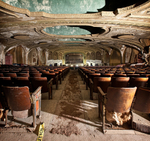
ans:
x=69 y=116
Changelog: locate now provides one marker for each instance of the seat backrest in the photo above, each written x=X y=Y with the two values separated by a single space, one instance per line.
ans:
x=5 y=81
x=142 y=100
x=51 y=70
x=18 y=98
x=129 y=72
x=103 y=82
x=12 y=75
x=39 y=81
x=138 y=81
x=49 y=76
x=119 y=75
x=119 y=99
x=23 y=81
x=1 y=75
x=34 y=71
x=107 y=74
x=133 y=75
x=120 y=81
x=35 y=74
x=23 y=74
x=92 y=75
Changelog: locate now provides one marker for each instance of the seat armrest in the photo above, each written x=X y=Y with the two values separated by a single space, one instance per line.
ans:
x=50 y=81
x=91 y=82
x=86 y=76
x=60 y=74
x=100 y=91
x=56 y=77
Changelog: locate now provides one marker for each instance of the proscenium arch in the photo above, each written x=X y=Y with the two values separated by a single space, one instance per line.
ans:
x=73 y=52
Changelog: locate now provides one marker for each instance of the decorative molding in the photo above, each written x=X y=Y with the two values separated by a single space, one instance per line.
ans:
x=127 y=11
x=107 y=14
x=144 y=13
x=9 y=13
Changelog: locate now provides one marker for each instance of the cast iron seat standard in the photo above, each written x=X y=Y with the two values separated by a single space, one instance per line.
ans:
x=20 y=102
x=42 y=81
x=3 y=108
x=120 y=81
x=103 y=82
x=58 y=72
x=86 y=78
x=142 y=104
x=117 y=99
x=61 y=73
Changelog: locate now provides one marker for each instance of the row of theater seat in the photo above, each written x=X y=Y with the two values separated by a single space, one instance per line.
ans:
x=120 y=92
x=33 y=78
x=105 y=80
x=21 y=89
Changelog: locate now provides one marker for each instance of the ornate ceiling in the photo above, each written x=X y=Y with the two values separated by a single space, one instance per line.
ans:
x=86 y=31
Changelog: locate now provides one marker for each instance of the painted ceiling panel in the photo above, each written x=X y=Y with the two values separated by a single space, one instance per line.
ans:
x=66 y=30
x=71 y=39
x=59 y=6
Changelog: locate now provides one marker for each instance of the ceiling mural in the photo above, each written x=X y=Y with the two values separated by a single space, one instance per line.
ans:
x=66 y=30
x=75 y=25
x=59 y=6
x=71 y=39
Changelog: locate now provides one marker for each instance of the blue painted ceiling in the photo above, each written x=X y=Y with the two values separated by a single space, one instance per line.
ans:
x=59 y=6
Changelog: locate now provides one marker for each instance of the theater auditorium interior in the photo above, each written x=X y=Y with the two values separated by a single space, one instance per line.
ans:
x=74 y=70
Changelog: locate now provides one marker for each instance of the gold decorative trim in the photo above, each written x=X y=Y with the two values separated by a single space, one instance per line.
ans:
x=4 y=11
x=123 y=12
x=107 y=14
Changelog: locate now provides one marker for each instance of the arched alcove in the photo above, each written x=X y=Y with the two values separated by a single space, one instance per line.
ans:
x=55 y=57
x=93 y=55
x=88 y=56
x=115 y=57
x=50 y=55
x=98 y=55
x=32 y=57
x=60 y=56
x=16 y=55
